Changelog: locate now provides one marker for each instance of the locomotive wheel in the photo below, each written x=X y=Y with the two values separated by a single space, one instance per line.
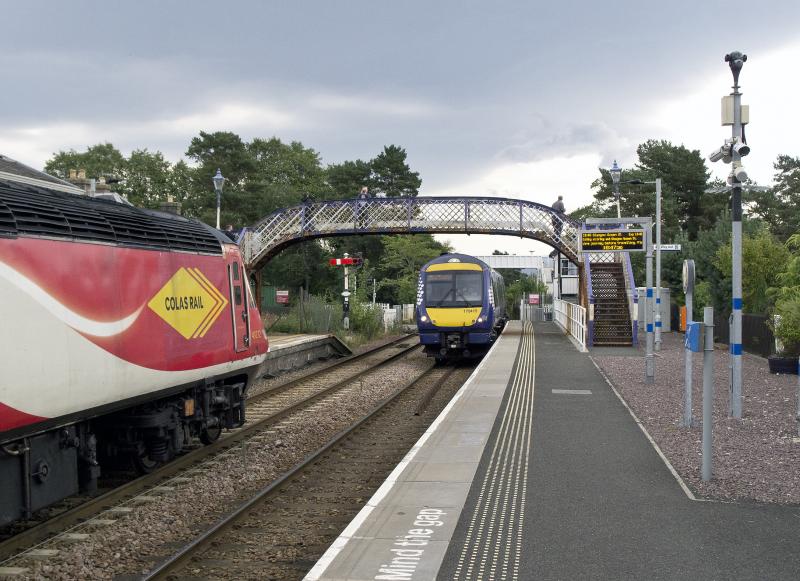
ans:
x=211 y=435
x=143 y=463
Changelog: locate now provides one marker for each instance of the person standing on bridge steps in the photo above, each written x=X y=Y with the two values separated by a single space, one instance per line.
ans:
x=559 y=207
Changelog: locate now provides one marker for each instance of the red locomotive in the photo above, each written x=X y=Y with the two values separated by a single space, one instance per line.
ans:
x=125 y=334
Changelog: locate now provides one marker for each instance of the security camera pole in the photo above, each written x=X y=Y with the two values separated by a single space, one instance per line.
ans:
x=737 y=116
x=736 y=60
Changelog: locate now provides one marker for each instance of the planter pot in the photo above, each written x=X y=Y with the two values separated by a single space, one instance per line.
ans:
x=786 y=365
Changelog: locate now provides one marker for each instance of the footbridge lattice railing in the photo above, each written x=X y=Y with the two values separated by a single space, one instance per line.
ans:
x=435 y=215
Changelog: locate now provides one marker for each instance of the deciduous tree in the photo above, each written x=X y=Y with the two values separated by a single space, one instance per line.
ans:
x=102 y=159
x=399 y=267
x=780 y=206
x=766 y=258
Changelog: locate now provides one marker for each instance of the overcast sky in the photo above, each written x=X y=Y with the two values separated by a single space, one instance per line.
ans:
x=522 y=99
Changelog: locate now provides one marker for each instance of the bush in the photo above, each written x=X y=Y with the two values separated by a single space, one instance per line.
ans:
x=787 y=303
x=787 y=329
x=310 y=315
x=366 y=319
x=318 y=315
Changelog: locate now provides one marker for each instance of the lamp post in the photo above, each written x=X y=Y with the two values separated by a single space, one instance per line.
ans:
x=657 y=183
x=616 y=172
x=219 y=181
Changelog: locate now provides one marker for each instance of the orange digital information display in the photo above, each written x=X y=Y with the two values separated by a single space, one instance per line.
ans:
x=612 y=240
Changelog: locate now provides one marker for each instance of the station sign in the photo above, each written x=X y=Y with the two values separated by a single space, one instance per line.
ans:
x=668 y=247
x=612 y=240
x=282 y=297
x=533 y=299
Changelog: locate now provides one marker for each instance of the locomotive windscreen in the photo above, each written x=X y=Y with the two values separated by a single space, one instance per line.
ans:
x=458 y=288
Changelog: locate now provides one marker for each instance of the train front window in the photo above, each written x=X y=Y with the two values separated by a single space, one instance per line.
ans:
x=459 y=288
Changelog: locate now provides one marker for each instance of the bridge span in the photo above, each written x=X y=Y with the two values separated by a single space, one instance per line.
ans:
x=605 y=281
x=433 y=215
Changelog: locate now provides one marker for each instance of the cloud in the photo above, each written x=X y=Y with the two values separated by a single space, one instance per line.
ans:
x=35 y=143
x=537 y=181
x=226 y=117
x=548 y=141
x=372 y=105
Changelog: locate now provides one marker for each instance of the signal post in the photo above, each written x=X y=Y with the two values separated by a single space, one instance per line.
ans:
x=346 y=262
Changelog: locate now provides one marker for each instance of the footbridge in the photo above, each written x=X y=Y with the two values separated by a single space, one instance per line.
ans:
x=433 y=215
x=605 y=289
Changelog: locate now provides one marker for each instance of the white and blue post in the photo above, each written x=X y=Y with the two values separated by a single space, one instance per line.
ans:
x=649 y=358
x=658 y=265
x=736 y=60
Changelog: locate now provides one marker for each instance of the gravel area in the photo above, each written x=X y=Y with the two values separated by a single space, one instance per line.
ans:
x=132 y=545
x=264 y=384
x=282 y=538
x=756 y=458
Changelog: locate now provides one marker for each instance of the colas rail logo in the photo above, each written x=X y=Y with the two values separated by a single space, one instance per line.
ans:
x=188 y=303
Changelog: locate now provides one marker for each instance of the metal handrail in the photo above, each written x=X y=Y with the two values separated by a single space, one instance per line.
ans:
x=572 y=319
x=633 y=295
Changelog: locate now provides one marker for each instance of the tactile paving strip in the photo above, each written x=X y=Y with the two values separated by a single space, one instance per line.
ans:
x=492 y=546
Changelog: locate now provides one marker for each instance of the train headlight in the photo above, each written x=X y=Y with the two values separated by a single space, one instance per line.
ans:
x=424 y=318
x=481 y=319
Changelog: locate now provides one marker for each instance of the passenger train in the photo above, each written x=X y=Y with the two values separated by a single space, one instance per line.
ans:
x=126 y=333
x=461 y=307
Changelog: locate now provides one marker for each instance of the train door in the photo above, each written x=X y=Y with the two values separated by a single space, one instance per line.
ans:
x=239 y=303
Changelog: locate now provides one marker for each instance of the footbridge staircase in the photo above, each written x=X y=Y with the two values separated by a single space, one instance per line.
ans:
x=444 y=215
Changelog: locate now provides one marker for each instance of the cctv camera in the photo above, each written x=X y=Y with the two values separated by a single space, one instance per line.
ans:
x=717 y=154
x=721 y=154
x=741 y=148
x=740 y=174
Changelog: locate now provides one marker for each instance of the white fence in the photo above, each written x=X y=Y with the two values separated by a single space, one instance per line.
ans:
x=571 y=318
x=396 y=314
x=535 y=313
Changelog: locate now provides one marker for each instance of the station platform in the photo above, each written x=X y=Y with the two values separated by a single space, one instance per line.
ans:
x=291 y=351
x=567 y=487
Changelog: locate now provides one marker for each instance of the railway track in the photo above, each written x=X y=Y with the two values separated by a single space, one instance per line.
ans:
x=263 y=410
x=279 y=532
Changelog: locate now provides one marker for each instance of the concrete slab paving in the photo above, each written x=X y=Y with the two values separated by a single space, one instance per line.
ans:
x=601 y=504
x=440 y=472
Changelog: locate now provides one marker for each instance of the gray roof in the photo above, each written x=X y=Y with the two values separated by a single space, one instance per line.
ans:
x=11 y=166
x=11 y=170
